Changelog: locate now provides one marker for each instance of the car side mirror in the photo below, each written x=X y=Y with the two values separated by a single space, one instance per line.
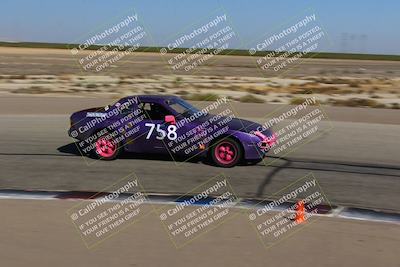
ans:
x=170 y=119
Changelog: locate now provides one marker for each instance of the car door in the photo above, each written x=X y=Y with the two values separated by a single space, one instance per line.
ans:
x=152 y=129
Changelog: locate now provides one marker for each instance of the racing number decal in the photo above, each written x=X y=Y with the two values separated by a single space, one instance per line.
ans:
x=170 y=134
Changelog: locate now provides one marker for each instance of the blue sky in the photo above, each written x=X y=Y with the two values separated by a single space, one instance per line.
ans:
x=352 y=26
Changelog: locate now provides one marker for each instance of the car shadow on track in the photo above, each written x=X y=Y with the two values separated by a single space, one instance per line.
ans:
x=72 y=149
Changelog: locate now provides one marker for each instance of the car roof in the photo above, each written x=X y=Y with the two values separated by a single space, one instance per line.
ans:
x=151 y=97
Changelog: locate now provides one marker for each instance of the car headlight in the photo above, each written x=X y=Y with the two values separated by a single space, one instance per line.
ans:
x=266 y=142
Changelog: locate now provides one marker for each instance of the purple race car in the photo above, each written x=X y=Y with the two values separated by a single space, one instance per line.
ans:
x=171 y=126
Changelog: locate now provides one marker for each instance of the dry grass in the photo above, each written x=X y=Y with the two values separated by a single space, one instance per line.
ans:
x=250 y=99
x=182 y=92
x=258 y=91
x=300 y=100
x=202 y=97
x=356 y=102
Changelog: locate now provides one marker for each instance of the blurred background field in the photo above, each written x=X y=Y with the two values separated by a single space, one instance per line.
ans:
x=338 y=82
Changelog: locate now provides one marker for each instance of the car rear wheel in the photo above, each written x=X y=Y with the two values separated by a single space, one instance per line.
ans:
x=106 y=148
x=226 y=153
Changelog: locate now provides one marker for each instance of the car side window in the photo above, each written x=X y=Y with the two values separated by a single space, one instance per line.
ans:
x=126 y=109
x=154 y=111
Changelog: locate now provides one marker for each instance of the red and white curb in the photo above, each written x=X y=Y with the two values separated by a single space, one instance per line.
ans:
x=323 y=210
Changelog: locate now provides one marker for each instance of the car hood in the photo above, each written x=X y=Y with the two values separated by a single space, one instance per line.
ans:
x=267 y=135
x=237 y=124
x=243 y=125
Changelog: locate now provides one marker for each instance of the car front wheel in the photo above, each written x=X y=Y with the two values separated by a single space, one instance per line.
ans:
x=226 y=153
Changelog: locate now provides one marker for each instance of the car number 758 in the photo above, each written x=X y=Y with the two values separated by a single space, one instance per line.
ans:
x=161 y=133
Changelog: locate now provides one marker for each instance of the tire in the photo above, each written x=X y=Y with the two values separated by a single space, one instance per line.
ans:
x=226 y=153
x=105 y=148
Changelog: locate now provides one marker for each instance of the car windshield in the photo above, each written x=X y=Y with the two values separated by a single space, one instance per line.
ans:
x=182 y=107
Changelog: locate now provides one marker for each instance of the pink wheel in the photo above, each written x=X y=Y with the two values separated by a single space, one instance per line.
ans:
x=226 y=153
x=106 y=148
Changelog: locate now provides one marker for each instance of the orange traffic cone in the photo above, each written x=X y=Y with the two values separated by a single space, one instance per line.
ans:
x=300 y=211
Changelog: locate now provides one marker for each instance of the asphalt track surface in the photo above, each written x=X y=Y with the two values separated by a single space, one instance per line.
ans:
x=357 y=164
